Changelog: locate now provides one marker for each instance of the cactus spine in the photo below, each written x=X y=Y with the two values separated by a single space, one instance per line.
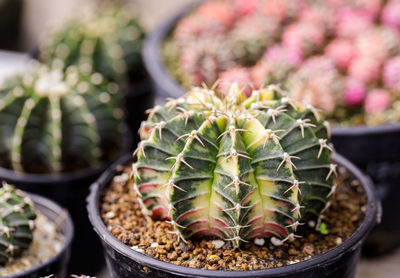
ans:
x=234 y=168
x=16 y=223
x=52 y=121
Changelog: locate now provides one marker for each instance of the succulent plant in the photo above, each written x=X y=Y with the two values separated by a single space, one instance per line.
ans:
x=235 y=168
x=342 y=52
x=391 y=74
x=54 y=121
x=365 y=69
x=351 y=22
x=239 y=75
x=16 y=223
x=391 y=14
x=108 y=42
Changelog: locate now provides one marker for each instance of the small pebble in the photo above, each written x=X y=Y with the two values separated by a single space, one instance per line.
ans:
x=154 y=245
x=218 y=243
x=275 y=241
x=259 y=241
x=137 y=249
x=338 y=241
x=110 y=214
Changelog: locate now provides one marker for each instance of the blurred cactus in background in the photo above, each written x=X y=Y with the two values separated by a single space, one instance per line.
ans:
x=55 y=121
x=268 y=41
x=108 y=41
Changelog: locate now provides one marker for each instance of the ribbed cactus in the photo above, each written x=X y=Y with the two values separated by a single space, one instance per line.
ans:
x=54 y=121
x=16 y=223
x=234 y=168
x=109 y=42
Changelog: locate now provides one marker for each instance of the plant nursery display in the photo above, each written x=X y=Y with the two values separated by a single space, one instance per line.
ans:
x=225 y=181
x=53 y=121
x=341 y=56
x=35 y=235
x=107 y=40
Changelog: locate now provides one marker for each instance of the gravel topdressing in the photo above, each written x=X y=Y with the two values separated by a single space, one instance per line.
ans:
x=121 y=214
x=47 y=242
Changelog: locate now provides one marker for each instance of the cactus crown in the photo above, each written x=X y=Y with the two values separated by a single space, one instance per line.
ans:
x=234 y=168
x=109 y=41
x=53 y=121
x=16 y=223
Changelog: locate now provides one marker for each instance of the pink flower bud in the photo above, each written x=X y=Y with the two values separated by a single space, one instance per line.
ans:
x=354 y=92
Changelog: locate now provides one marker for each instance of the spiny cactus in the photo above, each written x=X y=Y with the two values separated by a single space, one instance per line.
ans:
x=109 y=42
x=236 y=168
x=52 y=121
x=16 y=223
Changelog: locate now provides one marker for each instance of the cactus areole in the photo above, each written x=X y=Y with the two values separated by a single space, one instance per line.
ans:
x=235 y=168
x=16 y=223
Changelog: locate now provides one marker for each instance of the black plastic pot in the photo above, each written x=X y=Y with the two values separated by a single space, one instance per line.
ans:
x=70 y=191
x=373 y=149
x=10 y=23
x=58 y=264
x=124 y=262
x=376 y=150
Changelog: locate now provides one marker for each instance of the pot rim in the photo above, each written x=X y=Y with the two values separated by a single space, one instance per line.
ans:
x=68 y=234
x=153 y=61
x=372 y=216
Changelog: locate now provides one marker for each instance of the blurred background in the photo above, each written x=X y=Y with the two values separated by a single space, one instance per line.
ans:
x=31 y=19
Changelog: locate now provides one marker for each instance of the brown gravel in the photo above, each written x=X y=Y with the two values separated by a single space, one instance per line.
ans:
x=122 y=215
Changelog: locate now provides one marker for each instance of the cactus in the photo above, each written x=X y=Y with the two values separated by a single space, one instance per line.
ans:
x=235 y=168
x=391 y=14
x=109 y=42
x=16 y=223
x=391 y=74
x=54 y=121
x=342 y=52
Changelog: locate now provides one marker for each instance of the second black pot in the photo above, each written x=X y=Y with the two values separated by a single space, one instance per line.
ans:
x=70 y=191
x=338 y=262
x=58 y=264
x=376 y=150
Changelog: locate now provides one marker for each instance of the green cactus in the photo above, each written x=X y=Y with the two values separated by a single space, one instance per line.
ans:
x=16 y=223
x=54 y=121
x=234 y=168
x=109 y=42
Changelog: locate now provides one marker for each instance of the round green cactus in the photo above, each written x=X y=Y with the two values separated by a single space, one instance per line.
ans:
x=236 y=168
x=109 y=41
x=16 y=223
x=54 y=121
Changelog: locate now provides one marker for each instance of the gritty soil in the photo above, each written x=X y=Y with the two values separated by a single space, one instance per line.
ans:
x=123 y=217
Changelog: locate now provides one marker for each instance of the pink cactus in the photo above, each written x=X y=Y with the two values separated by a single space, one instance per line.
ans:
x=319 y=15
x=317 y=65
x=377 y=100
x=218 y=12
x=370 y=7
x=239 y=75
x=341 y=51
x=351 y=22
x=280 y=9
x=281 y=54
x=391 y=14
x=259 y=74
x=391 y=74
x=354 y=92
x=246 y=7
x=378 y=43
x=187 y=29
x=365 y=69
x=303 y=36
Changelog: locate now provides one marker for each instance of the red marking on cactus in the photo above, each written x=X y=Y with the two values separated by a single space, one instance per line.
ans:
x=186 y=215
x=391 y=14
x=159 y=213
x=354 y=92
x=238 y=75
x=378 y=100
x=148 y=187
x=341 y=51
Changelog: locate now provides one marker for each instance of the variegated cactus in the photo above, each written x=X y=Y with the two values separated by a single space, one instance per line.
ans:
x=54 y=121
x=16 y=223
x=235 y=168
x=108 y=41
